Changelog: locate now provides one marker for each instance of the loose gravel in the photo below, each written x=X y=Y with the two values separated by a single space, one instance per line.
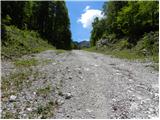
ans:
x=80 y=84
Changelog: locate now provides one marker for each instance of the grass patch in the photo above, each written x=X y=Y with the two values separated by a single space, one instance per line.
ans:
x=125 y=54
x=59 y=51
x=26 y=63
x=129 y=54
x=15 y=82
x=46 y=111
x=44 y=91
x=48 y=61
x=10 y=115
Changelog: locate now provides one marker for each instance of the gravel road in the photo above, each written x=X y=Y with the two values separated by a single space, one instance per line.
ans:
x=87 y=85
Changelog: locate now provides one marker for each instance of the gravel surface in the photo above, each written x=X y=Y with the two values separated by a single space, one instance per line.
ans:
x=80 y=84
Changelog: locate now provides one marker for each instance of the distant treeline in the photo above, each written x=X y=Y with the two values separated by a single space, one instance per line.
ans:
x=129 y=19
x=50 y=19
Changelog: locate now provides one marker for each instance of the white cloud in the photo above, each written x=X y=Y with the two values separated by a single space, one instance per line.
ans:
x=88 y=16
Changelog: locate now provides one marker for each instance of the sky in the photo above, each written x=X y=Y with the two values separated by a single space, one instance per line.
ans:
x=82 y=14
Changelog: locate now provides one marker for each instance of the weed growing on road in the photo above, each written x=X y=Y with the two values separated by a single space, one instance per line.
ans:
x=10 y=115
x=124 y=54
x=15 y=82
x=46 y=111
x=47 y=61
x=26 y=63
x=44 y=91
x=59 y=51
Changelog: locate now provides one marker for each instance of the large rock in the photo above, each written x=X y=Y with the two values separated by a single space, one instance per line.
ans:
x=102 y=42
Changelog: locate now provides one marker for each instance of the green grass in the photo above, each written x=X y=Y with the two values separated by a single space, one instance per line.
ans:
x=59 y=51
x=17 y=43
x=125 y=54
x=46 y=111
x=129 y=54
x=15 y=82
x=46 y=61
x=10 y=115
x=44 y=91
x=26 y=63
x=31 y=62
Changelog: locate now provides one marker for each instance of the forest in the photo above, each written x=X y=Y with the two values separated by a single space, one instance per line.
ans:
x=49 y=19
x=128 y=25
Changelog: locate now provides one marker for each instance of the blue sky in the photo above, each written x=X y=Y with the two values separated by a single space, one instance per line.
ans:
x=81 y=15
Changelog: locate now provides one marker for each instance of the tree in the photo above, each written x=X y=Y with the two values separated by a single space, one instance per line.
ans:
x=62 y=24
x=15 y=10
x=97 y=31
x=49 y=18
x=126 y=18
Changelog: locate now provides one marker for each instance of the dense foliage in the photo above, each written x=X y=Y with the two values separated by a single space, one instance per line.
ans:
x=49 y=18
x=126 y=19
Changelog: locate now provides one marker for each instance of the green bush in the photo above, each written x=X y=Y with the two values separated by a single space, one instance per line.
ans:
x=148 y=44
x=151 y=42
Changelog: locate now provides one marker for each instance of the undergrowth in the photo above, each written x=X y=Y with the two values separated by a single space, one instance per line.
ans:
x=16 y=42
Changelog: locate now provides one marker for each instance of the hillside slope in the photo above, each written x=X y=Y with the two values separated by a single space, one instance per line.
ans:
x=16 y=42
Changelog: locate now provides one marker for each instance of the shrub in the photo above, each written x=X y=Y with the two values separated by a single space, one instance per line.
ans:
x=149 y=44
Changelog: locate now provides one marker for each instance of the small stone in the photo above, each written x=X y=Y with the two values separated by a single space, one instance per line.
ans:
x=81 y=77
x=151 y=109
x=68 y=95
x=70 y=77
x=95 y=65
x=29 y=109
x=59 y=102
x=40 y=117
x=12 y=98
x=93 y=116
x=80 y=72
x=89 y=111
x=53 y=63
x=34 y=93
